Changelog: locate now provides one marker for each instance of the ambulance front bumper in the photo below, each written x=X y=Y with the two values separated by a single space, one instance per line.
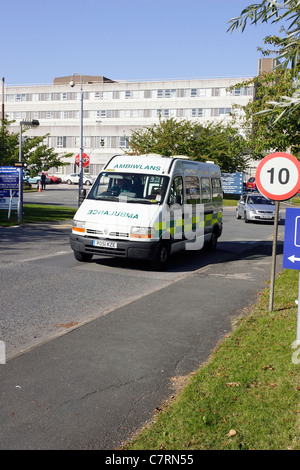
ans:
x=116 y=248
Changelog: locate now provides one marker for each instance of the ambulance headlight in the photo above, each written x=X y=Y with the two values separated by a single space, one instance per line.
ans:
x=142 y=232
x=78 y=226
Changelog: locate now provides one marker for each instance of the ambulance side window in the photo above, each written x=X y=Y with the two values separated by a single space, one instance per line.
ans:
x=176 y=191
x=192 y=188
x=217 y=189
x=205 y=190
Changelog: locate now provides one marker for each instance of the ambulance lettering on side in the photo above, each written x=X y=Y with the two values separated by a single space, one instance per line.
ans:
x=147 y=207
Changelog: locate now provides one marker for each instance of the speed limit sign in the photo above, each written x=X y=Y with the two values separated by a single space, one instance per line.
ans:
x=278 y=176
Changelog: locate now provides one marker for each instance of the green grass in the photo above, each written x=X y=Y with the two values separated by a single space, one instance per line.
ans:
x=247 y=396
x=35 y=213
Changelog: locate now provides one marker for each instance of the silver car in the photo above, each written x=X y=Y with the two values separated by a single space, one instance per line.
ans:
x=74 y=179
x=255 y=207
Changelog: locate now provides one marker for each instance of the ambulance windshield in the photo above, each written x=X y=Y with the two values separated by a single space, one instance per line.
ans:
x=130 y=187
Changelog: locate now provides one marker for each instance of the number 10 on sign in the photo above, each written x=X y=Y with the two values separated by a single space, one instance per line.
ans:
x=278 y=176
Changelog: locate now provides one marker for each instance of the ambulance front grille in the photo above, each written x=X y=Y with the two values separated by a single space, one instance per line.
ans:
x=111 y=234
x=94 y=232
x=119 y=234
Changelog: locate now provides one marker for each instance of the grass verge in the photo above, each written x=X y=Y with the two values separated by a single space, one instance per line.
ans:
x=37 y=213
x=247 y=396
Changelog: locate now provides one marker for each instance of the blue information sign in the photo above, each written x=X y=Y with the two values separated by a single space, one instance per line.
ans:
x=291 y=246
x=232 y=183
x=9 y=177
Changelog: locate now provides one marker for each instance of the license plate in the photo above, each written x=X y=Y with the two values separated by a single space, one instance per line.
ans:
x=105 y=243
x=266 y=216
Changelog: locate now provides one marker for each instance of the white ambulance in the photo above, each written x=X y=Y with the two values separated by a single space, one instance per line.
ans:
x=147 y=207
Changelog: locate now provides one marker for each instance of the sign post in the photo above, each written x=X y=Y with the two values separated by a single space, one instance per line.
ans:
x=278 y=179
x=291 y=250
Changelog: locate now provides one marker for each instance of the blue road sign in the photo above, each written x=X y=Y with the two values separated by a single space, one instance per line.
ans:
x=232 y=183
x=9 y=177
x=291 y=246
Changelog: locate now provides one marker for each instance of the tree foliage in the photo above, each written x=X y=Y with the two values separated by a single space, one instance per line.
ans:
x=215 y=142
x=271 y=131
x=35 y=153
x=287 y=14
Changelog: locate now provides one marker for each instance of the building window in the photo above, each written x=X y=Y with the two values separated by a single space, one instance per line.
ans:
x=197 y=112
x=163 y=113
x=124 y=142
x=61 y=142
x=215 y=92
x=87 y=141
x=21 y=97
x=224 y=111
x=101 y=113
x=242 y=91
x=166 y=93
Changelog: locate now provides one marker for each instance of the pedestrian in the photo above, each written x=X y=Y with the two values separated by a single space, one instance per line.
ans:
x=43 y=180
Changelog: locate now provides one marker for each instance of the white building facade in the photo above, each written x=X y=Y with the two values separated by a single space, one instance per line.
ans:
x=113 y=109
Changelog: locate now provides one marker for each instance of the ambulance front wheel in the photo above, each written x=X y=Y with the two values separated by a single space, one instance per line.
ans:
x=212 y=245
x=162 y=257
x=82 y=256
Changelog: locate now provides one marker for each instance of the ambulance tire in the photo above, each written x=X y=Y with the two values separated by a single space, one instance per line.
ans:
x=160 y=262
x=82 y=256
x=212 y=244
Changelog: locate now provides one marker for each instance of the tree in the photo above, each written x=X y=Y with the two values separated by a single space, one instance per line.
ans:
x=215 y=142
x=265 y=131
x=8 y=144
x=286 y=12
x=35 y=152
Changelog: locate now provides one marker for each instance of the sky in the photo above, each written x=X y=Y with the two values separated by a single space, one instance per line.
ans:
x=126 y=40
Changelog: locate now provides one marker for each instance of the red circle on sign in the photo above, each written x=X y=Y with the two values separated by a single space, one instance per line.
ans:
x=85 y=160
x=264 y=182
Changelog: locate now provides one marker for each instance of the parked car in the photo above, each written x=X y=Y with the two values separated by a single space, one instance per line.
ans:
x=54 y=179
x=255 y=207
x=35 y=179
x=74 y=179
x=251 y=185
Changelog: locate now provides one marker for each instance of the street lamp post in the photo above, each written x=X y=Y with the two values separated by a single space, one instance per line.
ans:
x=33 y=123
x=80 y=194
